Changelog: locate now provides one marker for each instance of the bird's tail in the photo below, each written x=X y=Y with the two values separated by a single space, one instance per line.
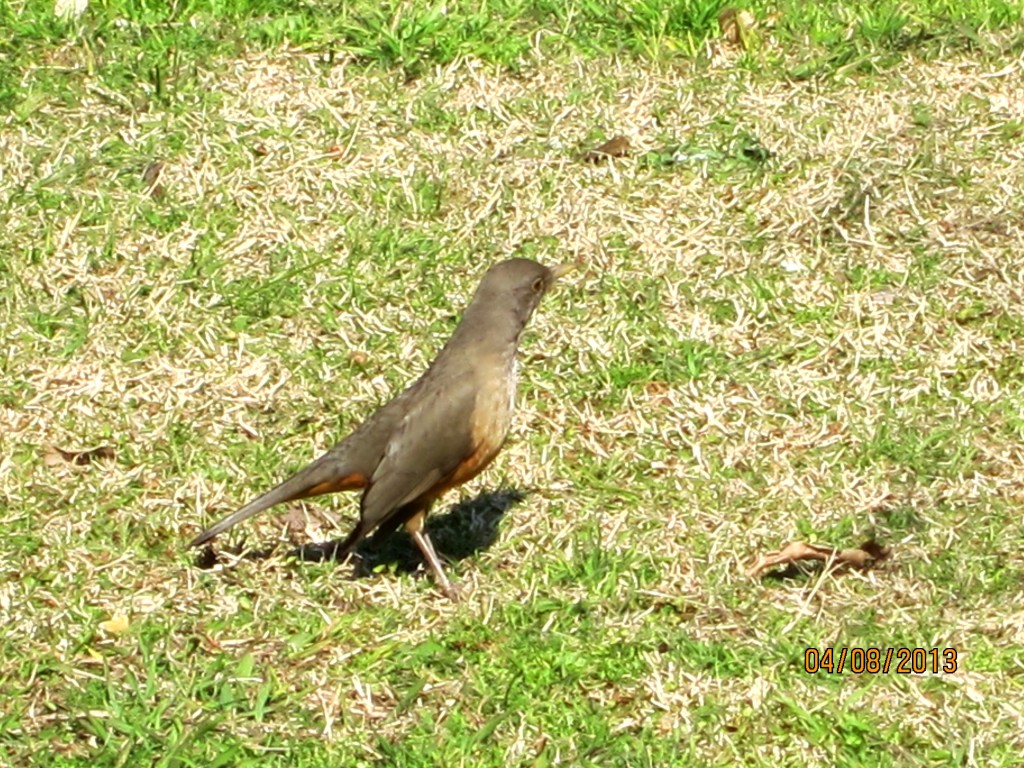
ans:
x=322 y=476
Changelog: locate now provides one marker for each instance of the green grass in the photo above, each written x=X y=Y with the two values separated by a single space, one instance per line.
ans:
x=151 y=52
x=798 y=317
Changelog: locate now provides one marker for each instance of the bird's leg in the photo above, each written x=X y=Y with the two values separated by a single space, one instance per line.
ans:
x=414 y=525
x=423 y=542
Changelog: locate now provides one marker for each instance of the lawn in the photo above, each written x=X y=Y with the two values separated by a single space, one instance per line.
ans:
x=232 y=229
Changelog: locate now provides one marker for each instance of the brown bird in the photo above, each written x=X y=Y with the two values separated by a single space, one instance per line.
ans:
x=437 y=434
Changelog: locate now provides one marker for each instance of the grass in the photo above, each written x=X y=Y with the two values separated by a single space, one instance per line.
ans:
x=798 y=318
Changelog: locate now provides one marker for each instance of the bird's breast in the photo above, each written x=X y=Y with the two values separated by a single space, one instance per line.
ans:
x=494 y=405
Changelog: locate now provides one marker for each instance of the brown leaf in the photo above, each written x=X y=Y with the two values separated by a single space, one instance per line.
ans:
x=151 y=178
x=617 y=147
x=54 y=456
x=304 y=522
x=865 y=555
x=736 y=26
x=295 y=519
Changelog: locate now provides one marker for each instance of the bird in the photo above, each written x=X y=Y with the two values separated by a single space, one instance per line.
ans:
x=441 y=431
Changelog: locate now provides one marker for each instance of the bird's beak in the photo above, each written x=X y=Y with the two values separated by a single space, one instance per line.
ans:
x=562 y=269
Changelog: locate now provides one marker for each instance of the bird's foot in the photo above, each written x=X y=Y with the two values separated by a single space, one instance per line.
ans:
x=453 y=592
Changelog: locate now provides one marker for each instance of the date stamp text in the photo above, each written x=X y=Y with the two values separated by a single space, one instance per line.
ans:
x=880 y=661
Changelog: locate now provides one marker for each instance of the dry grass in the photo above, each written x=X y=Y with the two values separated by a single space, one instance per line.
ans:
x=822 y=346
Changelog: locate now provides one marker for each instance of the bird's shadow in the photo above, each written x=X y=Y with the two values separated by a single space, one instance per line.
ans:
x=469 y=527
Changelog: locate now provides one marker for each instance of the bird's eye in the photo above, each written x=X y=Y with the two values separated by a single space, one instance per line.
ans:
x=538 y=285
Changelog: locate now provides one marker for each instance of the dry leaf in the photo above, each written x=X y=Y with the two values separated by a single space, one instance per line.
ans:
x=116 y=625
x=151 y=178
x=617 y=147
x=295 y=519
x=866 y=554
x=54 y=456
x=69 y=9
x=736 y=26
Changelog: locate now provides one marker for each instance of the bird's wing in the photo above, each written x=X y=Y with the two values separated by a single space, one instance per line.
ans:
x=348 y=465
x=435 y=437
